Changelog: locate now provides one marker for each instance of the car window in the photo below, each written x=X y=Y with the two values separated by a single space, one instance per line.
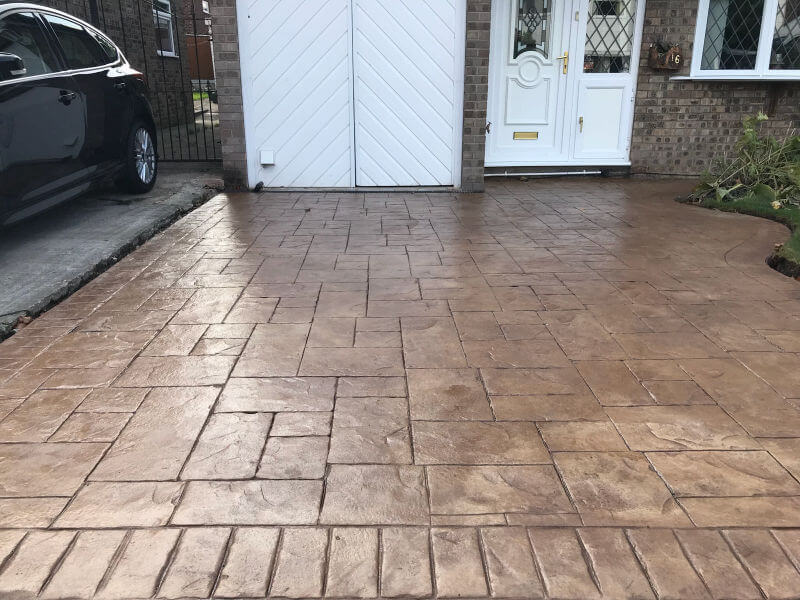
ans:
x=81 y=49
x=109 y=49
x=22 y=34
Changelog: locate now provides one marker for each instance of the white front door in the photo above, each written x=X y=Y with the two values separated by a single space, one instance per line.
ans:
x=344 y=93
x=562 y=81
x=528 y=81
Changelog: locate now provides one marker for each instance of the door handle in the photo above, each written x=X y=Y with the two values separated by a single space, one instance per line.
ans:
x=565 y=58
x=120 y=86
x=580 y=122
x=66 y=97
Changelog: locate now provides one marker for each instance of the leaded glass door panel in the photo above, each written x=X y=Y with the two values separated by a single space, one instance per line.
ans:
x=604 y=90
x=530 y=67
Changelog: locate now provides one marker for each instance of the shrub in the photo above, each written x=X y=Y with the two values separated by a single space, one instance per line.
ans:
x=762 y=168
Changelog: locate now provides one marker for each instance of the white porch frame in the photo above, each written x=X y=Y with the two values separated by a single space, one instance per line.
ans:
x=570 y=122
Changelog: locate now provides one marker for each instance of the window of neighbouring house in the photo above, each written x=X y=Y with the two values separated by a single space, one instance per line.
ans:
x=747 y=39
x=166 y=44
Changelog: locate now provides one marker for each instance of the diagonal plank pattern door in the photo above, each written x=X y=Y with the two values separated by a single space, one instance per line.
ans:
x=405 y=96
x=296 y=69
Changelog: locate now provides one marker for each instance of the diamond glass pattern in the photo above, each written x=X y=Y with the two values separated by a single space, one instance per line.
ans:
x=733 y=30
x=532 y=28
x=609 y=36
x=786 y=41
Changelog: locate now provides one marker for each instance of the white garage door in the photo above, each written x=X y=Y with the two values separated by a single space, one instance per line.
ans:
x=343 y=93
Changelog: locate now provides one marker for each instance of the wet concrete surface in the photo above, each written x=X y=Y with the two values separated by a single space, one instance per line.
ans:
x=48 y=256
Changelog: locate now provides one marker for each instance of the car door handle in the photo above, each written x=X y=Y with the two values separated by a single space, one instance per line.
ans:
x=66 y=97
x=120 y=86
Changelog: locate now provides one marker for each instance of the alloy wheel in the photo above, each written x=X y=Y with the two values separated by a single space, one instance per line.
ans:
x=145 y=155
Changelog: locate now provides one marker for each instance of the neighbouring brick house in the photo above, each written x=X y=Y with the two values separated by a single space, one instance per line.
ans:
x=198 y=39
x=370 y=93
x=151 y=35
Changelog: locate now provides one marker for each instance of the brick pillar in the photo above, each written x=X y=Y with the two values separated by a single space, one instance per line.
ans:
x=476 y=89
x=229 y=89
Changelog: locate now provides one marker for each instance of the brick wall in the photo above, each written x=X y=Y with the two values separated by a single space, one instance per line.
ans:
x=679 y=127
x=476 y=88
x=129 y=23
x=229 y=89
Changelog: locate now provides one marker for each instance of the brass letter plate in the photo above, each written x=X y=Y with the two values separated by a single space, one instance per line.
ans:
x=526 y=135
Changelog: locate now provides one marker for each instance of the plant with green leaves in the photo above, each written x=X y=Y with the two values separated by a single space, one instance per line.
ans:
x=763 y=168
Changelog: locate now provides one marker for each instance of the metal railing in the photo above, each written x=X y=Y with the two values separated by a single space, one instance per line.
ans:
x=177 y=64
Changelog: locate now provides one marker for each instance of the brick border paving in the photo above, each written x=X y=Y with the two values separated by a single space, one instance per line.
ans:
x=390 y=562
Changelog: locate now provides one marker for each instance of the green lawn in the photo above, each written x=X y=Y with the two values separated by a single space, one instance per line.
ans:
x=789 y=215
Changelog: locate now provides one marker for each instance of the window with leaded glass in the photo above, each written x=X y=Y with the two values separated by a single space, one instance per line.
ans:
x=533 y=27
x=747 y=39
x=786 y=42
x=609 y=36
x=732 y=36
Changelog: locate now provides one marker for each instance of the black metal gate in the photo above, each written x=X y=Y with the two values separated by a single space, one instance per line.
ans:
x=171 y=42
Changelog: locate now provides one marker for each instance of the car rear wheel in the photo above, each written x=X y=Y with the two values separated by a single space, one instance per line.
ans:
x=141 y=163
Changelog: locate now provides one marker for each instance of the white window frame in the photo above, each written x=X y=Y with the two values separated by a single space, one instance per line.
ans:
x=161 y=15
x=761 y=72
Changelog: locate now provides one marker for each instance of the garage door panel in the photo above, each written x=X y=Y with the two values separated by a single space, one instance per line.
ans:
x=351 y=92
x=328 y=136
x=430 y=53
x=321 y=85
x=271 y=21
x=318 y=162
x=418 y=156
x=378 y=164
x=403 y=62
x=445 y=10
x=258 y=12
x=298 y=91
x=282 y=67
x=406 y=157
x=406 y=110
x=338 y=174
x=405 y=94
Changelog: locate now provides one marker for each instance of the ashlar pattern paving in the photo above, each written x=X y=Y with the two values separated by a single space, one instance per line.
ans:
x=567 y=389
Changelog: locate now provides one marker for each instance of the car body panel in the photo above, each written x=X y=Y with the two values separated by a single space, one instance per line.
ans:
x=41 y=138
x=52 y=150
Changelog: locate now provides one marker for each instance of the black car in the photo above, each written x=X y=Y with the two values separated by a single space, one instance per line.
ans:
x=72 y=112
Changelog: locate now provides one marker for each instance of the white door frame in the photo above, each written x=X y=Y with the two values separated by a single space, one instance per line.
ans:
x=458 y=108
x=570 y=119
x=252 y=153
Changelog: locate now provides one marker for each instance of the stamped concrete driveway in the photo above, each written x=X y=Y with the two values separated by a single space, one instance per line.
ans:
x=564 y=389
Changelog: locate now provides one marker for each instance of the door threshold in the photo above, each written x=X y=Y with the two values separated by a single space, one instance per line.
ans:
x=543 y=173
x=365 y=190
x=559 y=171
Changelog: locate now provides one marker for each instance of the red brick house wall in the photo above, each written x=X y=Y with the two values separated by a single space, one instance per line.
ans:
x=680 y=126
